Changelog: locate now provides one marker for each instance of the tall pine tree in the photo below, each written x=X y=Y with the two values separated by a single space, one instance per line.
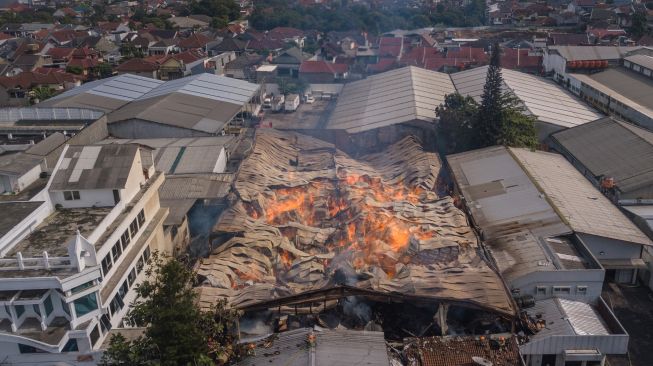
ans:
x=488 y=126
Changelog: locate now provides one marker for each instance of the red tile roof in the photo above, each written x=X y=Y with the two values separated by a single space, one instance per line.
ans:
x=280 y=33
x=195 y=40
x=322 y=67
x=384 y=64
x=390 y=46
x=60 y=53
x=30 y=79
x=137 y=65
x=517 y=59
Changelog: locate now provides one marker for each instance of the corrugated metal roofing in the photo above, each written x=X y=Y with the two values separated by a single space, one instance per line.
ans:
x=642 y=60
x=189 y=155
x=626 y=86
x=47 y=145
x=583 y=318
x=393 y=97
x=612 y=149
x=332 y=348
x=581 y=205
x=94 y=167
x=105 y=94
x=196 y=186
x=214 y=87
x=48 y=114
x=543 y=98
x=580 y=53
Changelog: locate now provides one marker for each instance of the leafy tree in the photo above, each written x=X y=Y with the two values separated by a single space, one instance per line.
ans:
x=639 y=25
x=104 y=70
x=177 y=332
x=456 y=116
x=41 y=93
x=501 y=119
x=77 y=70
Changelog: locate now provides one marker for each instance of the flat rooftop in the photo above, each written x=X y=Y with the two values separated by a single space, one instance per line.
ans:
x=15 y=212
x=54 y=234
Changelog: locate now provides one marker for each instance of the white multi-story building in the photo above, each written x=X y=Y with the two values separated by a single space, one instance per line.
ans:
x=72 y=256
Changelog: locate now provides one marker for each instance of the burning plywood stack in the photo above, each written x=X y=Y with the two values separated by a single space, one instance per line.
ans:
x=308 y=217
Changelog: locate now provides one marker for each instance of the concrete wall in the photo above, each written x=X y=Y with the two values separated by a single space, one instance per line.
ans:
x=20 y=231
x=611 y=248
x=139 y=129
x=87 y=198
x=591 y=278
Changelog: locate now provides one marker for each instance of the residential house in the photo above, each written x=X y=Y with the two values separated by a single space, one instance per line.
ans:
x=86 y=60
x=244 y=67
x=289 y=61
x=322 y=72
x=287 y=35
x=188 y=23
x=140 y=67
x=14 y=90
x=215 y=48
x=213 y=65
x=194 y=41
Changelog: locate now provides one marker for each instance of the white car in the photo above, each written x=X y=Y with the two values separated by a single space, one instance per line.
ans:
x=310 y=99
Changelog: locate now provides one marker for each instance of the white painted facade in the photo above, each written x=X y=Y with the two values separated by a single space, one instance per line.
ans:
x=66 y=301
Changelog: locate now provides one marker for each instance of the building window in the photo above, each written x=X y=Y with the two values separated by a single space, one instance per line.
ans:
x=105 y=323
x=116 y=251
x=71 y=346
x=65 y=308
x=561 y=290
x=141 y=218
x=37 y=309
x=122 y=291
x=132 y=277
x=47 y=304
x=85 y=304
x=140 y=264
x=540 y=290
x=146 y=254
x=82 y=287
x=581 y=290
x=95 y=335
x=23 y=348
x=71 y=195
x=125 y=239
x=20 y=310
x=133 y=227
x=116 y=305
x=107 y=263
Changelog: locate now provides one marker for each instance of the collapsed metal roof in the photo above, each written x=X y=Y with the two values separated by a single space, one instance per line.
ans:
x=310 y=217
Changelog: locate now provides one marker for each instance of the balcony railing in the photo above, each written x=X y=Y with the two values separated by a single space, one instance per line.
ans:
x=45 y=262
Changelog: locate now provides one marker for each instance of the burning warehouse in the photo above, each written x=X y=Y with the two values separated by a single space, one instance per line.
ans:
x=313 y=232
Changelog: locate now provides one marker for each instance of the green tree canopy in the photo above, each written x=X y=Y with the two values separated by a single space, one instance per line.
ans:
x=500 y=119
x=177 y=332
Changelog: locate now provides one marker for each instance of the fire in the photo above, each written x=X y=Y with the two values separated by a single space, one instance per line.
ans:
x=285 y=258
x=359 y=207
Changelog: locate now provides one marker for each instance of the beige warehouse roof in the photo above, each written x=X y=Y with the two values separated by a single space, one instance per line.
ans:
x=202 y=102
x=189 y=155
x=106 y=94
x=579 y=203
x=543 y=98
x=581 y=53
x=393 y=97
